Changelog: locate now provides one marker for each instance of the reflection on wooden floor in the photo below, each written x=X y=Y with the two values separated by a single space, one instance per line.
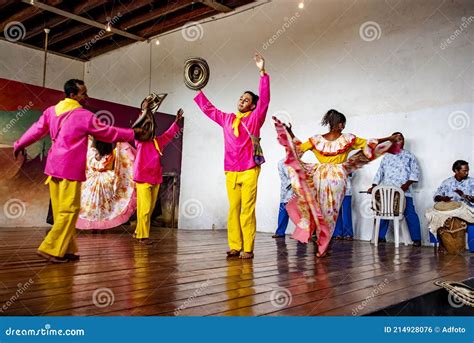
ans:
x=186 y=273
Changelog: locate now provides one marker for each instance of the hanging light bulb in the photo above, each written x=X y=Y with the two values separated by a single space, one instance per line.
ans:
x=108 y=27
x=301 y=5
x=157 y=42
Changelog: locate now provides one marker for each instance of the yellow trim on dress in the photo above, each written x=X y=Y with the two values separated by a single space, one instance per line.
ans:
x=325 y=150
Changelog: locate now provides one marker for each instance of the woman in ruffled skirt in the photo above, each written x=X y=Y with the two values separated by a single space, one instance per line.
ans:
x=319 y=188
x=108 y=196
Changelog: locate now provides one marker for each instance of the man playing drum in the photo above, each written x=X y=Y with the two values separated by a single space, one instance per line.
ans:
x=455 y=200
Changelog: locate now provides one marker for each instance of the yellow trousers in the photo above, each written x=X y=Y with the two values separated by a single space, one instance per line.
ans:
x=241 y=221
x=146 y=199
x=66 y=204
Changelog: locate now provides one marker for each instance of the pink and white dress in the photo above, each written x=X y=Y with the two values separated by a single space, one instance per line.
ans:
x=108 y=196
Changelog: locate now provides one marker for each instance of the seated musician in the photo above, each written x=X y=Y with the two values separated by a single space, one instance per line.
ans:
x=460 y=189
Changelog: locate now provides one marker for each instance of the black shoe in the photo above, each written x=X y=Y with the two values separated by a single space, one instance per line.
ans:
x=157 y=223
x=51 y=258
x=417 y=243
x=382 y=240
x=72 y=257
x=278 y=236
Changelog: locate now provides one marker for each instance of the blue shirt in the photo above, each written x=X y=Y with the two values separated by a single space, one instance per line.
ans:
x=449 y=185
x=286 y=192
x=395 y=170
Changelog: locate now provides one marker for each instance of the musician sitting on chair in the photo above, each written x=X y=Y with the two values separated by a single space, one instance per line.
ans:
x=400 y=170
x=460 y=188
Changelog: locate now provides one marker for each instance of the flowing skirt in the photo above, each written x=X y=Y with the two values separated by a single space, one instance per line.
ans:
x=319 y=188
x=108 y=197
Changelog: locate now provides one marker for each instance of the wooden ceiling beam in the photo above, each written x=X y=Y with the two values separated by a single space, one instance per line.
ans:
x=122 y=9
x=91 y=40
x=81 y=19
x=125 y=7
x=103 y=48
x=26 y=13
x=135 y=21
x=6 y=3
x=62 y=36
x=58 y=20
x=176 y=22
x=216 y=5
x=155 y=14
x=155 y=30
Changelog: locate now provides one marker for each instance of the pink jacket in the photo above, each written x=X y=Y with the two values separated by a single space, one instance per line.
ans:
x=147 y=168
x=239 y=150
x=68 y=153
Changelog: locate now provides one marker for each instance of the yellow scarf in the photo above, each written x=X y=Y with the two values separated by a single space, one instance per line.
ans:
x=236 y=122
x=66 y=105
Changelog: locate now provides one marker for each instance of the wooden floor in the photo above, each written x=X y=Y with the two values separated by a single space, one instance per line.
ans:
x=186 y=273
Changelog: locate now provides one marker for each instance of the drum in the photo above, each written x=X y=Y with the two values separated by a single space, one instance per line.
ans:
x=196 y=73
x=447 y=206
x=453 y=235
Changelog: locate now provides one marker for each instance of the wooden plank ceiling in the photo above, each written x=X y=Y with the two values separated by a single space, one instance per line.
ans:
x=142 y=18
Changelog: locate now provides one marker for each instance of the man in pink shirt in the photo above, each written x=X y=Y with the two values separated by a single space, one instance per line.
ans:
x=69 y=126
x=239 y=164
x=148 y=176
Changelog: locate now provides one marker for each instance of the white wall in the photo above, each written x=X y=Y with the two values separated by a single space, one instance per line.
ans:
x=405 y=80
x=25 y=64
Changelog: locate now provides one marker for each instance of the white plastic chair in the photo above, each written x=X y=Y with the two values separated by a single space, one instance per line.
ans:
x=385 y=209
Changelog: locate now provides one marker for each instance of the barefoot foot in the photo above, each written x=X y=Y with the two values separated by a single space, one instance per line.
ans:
x=247 y=255
x=233 y=253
